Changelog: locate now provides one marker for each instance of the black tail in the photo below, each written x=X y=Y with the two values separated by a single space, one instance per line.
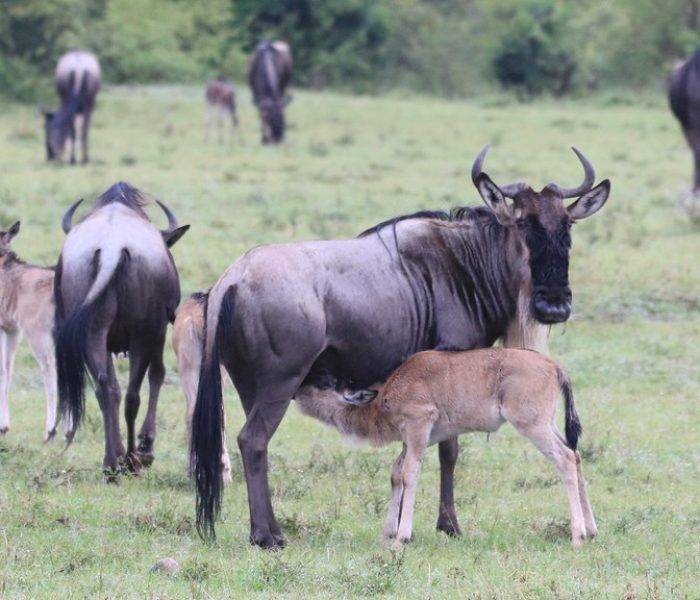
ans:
x=208 y=425
x=70 y=339
x=572 y=425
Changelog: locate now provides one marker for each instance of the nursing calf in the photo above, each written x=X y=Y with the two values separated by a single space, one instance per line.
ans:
x=437 y=395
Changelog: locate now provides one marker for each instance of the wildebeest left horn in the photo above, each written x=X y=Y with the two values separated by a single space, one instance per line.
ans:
x=172 y=221
x=509 y=190
x=588 y=179
x=67 y=221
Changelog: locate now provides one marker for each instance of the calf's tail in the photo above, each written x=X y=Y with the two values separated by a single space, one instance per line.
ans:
x=572 y=425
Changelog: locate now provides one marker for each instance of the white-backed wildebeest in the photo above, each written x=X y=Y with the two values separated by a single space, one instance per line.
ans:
x=188 y=339
x=317 y=317
x=116 y=290
x=221 y=103
x=268 y=76
x=684 y=97
x=26 y=309
x=77 y=79
x=435 y=395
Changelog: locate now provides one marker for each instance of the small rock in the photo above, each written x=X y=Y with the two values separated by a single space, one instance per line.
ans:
x=168 y=566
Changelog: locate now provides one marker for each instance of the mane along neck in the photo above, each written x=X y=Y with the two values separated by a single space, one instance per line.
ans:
x=368 y=423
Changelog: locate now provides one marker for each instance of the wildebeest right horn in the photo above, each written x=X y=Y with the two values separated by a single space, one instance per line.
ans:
x=67 y=221
x=508 y=190
x=588 y=179
x=172 y=221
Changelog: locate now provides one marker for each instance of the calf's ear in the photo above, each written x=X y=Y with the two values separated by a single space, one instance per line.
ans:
x=591 y=202
x=170 y=237
x=14 y=230
x=493 y=197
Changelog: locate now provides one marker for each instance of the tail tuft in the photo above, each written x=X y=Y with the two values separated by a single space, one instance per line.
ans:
x=572 y=424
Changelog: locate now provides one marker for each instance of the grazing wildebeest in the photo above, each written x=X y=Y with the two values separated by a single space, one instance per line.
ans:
x=684 y=97
x=288 y=320
x=268 y=76
x=26 y=309
x=435 y=395
x=116 y=290
x=77 y=80
x=221 y=101
x=188 y=338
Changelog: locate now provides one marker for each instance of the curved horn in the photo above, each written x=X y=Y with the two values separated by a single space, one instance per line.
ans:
x=66 y=223
x=588 y=179
x=509 y=190
x=172 y=221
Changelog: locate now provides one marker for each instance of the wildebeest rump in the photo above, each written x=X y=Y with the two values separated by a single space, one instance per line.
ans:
x=684 y=97
x=268 y=76
x=221 y=102
x=116 y=290
x=291 y=319
x=77 y=79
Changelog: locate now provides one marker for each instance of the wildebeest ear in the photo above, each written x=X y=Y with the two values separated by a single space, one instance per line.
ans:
x=492 y=195
x=360 y=398
x=591 y=202
x=14 y=230
x=170 y=237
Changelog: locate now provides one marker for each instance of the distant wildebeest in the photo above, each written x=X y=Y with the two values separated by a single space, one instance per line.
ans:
x=188 y=339
x=221 y=102
x=436 y=395
x=268 y=76
x=77 y=79
x=26 y=309
x=287 y=320
x=116 y=290
x=684 y=97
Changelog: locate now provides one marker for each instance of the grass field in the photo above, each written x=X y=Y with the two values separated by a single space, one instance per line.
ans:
x=349 y=162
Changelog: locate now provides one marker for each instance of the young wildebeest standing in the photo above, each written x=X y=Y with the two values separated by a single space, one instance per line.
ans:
x=26 y=308
x=188 y=339
x=288 y=320
x=436 y=395
x=221 y=102
x=116 y=290
x=77 y=80
x=268 y=76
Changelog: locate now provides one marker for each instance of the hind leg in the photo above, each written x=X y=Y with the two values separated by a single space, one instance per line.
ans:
x=42 y=347
x=138 y=365
x=550 y=442
x=391 y=524
x=8 y=346
x=589 y=519
x=156 y=375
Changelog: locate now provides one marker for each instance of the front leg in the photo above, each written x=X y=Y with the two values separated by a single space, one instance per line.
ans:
x=448 y=452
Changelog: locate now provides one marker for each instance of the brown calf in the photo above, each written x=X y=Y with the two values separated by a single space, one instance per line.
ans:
x=188 y=334
x=436 y=395
x=26 y=308
x=221 y=102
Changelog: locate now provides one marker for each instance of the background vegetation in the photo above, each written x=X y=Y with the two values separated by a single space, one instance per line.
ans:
x=351 y=162
x=453 y=48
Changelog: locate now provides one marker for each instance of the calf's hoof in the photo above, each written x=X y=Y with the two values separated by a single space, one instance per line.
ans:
x=4 y=430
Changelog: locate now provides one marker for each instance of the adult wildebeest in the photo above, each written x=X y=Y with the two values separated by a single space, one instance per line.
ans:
x=188 y=339
x=116 y=290
x=435 y=395
x=316 y=317
x=268 y=76
x=26 y=309
x=221 y=101
x=77 y=79
x=684 y=97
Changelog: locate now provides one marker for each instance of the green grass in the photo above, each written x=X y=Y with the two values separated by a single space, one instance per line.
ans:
x=350 y=162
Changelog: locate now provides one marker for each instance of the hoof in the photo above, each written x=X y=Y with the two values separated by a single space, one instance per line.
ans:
x=267 y=540
x=50 y=435
x=4 y=430
x=449 y=527
x=68 y=436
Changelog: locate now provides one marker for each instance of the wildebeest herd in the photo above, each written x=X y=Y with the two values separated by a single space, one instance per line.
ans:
x=385 y=336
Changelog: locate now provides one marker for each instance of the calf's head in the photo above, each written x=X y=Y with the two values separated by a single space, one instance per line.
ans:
x=541 y=223
x=6 y=238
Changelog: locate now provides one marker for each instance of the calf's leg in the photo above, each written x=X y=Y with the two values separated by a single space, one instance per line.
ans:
x=416 y=440
x=391 y=524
